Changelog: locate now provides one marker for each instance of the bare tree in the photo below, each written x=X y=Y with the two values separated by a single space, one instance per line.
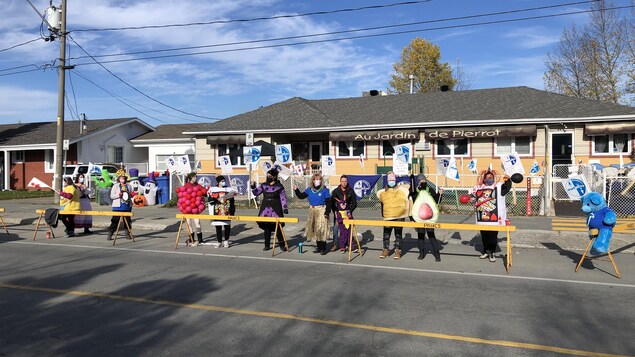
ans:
x=464 y=81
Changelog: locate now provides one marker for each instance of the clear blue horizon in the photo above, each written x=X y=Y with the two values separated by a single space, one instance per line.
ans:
x=227 y=83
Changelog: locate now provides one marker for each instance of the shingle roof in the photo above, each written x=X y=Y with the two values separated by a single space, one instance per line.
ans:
x=505 y=104
x=45 y=132
x=169 y=131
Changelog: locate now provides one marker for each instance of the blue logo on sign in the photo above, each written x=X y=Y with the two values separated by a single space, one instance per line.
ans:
x=255 y=155
x=512 y=160
x=283 y=154
x=361 y=188
x=471 y=166
x=403 y=153
x=446 y=163
x=577 y=185
x=329 y=161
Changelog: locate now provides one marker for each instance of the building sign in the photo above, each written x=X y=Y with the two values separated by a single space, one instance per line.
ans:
x=479 y=132
x=375 y=135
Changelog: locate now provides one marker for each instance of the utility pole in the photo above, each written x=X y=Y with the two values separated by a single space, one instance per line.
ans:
x=59 y=148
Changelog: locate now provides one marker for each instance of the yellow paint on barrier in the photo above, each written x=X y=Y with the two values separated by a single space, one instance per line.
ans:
x=239 y=218
x=284 y=316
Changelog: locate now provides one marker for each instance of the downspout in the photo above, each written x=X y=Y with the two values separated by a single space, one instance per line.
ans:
x=7 y=170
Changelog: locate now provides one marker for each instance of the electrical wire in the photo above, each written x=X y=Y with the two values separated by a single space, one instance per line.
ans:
x=20 y=44
x=137 y=90
x=360 y=36
x=70 y=80
x=253 y=19
x=343 y=31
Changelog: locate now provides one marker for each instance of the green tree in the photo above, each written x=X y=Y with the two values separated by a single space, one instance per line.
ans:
x=421 y=58
x=592 y=62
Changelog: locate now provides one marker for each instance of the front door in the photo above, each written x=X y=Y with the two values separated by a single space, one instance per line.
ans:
x=561 y=148
x=315 y=152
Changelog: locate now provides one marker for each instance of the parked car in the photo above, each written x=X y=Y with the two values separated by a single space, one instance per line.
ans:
x=73 y=171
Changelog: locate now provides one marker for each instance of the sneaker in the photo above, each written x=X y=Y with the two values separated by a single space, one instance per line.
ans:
x=343 y=250
x=484 y=256
x=384 y=253
x=109 y=236
x=266 y=248
x=492 y=258
x=421 y=256
x=205 y=243
x=226 y=244
x=334 y=248
x=397 y=254
x=216 y=245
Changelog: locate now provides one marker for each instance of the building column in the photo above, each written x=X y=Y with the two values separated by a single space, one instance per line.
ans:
x=7 y=170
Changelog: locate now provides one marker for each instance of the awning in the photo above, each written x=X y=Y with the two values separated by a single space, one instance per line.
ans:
x=375 y=135
x=480 y=132
x=609 y=128
x=226 y=139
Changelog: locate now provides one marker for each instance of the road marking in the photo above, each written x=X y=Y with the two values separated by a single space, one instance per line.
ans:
x=343 y=264
x=284 y=316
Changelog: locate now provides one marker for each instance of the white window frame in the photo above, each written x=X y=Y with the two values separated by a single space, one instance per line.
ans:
x=17 y=157
x=393 y=143
x=436 y=149
x=237 y=146
x=49 y=161
x=113 y=159
x=350 y=149
x=611 y=145
x=513 y=148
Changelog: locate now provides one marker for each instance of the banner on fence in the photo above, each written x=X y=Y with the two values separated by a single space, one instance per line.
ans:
x=362 y=184
x=576 y=186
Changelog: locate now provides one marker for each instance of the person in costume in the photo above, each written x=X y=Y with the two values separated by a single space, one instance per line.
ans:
x=395 y=206
x=317 y=226
x=488 y=198
x=69 y=202
x=196 y=198
x=342 y=196
x=425 y=209
x=82 y=221
x=274 y=204
x=120 y=193
x=221 y=203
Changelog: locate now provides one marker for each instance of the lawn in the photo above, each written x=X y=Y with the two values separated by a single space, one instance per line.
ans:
x=13 y=195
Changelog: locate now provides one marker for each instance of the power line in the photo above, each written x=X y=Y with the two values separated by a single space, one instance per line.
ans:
x=346 y=31
x=359 y=37
x=20 y=44
x=137 y=90
x=254 y=19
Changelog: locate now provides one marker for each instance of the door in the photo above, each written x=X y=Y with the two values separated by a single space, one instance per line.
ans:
x=561 y=148
x=315 y=152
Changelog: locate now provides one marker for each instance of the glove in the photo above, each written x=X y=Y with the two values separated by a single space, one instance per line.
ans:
x=253 y=185
x=285 y=211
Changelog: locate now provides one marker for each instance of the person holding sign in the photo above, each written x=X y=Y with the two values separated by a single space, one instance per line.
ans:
x=317 y=226
x=488 y=198
x=82 y=221
x=69 y=202
x=426 y=210
x=274 y=204
x=221 y=203
x=395 y=206
x=121 y=202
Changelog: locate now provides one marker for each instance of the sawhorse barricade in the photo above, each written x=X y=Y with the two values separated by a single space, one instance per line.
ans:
x=119 y=214
x=453 y=226
x=2 y=221
x=277 y=220
x=619 y=228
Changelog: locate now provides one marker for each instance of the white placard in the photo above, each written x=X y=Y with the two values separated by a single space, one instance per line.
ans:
x=398 y=166
x=535 y=168
x=225 y=164
x=403 y=152
x=512 y=164
x=172 y=164
x=576 y=186
x=265 y=166
x=442 y=166
x=184 y=165
x=472 y=165
x=283 y=153
x=251 y=155
x=328 y=165
x=452 y=170
x=283 y=171
x=249 y=139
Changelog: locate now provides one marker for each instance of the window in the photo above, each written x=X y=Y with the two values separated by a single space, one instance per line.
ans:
x=17 y=156
x=457 y=147
x=350 y=148
x=161 y=166
x=388 y=146
x=115 y=154
x=235 y=152
x=300 y=151
x=519 y=144
x=611 y=144
x=49 y=161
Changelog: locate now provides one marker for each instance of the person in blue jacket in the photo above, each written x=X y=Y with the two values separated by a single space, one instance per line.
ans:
x=317 y=226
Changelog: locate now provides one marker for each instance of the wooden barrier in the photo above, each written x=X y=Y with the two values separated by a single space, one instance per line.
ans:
x=454 y=226
x=623 y=225
x=277 y=220
x=119 y=214
x=2 y=221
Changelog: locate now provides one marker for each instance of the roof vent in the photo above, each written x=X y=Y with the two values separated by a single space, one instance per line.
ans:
x=374 y=93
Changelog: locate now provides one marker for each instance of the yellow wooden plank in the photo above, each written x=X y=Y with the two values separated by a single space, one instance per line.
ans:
x=239 y=218
x=92 y=213
x=452 y=226
x=1 y=209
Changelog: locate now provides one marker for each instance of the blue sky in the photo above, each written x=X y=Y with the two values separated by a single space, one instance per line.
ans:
x=220 y=85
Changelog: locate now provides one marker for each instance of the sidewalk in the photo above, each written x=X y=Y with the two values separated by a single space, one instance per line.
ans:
x=532 y=232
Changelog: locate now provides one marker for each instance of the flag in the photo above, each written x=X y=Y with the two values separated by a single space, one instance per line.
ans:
x=361 y=160
x=621 y=161
x=489 y=168
x=36 y=183
x=198 y=164
x=535 y=168
x=472 y=165
x=452 y=170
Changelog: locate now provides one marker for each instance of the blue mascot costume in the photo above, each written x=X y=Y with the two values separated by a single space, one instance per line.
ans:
x=600 y=217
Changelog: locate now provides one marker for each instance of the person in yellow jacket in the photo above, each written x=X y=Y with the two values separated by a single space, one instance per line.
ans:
x=69 y=201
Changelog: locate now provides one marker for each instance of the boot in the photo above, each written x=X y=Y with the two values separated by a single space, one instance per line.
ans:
x=422 y=254
x=282 y=246
x=397 y=254
x=318 y=247
x=437 y=256
x=384 y=253
x=109 y=235
x=324 y=250
x=199 y=235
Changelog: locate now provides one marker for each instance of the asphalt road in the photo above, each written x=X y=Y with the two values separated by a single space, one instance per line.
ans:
x=82 y=297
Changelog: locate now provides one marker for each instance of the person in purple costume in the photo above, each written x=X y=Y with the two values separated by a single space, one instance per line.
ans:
x=274 y=204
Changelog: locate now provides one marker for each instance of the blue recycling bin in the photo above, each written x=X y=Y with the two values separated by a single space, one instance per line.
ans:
x=163 y=189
